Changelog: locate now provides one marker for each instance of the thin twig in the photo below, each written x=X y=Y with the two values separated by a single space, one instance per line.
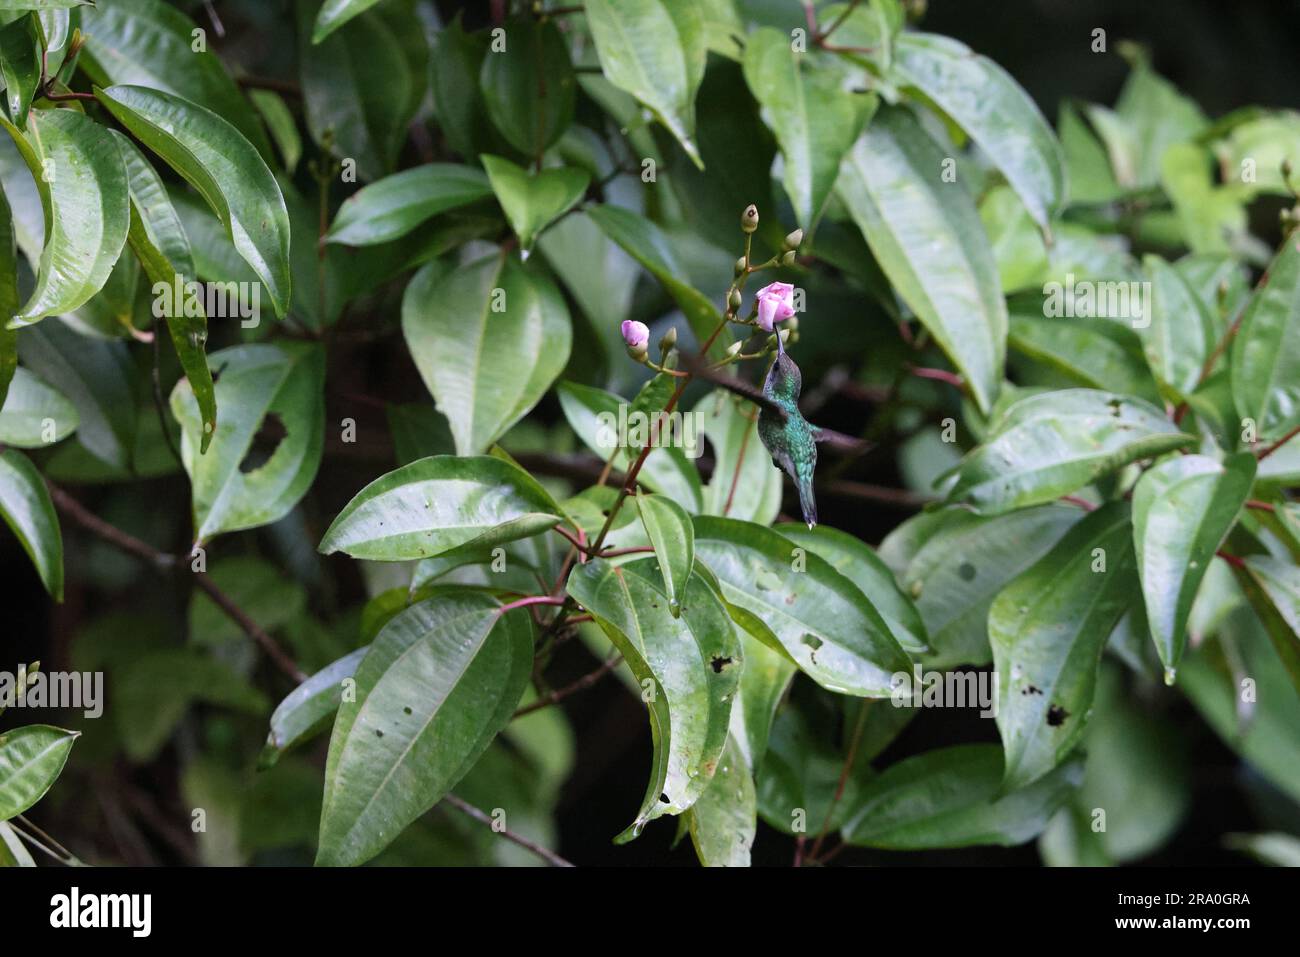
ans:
x=1278 y=444
x=550 y=857
x=559 y=694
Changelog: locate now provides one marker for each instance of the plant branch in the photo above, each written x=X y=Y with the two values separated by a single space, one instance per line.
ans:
x=581 y=684
x=550 y=857
x=1261 y=456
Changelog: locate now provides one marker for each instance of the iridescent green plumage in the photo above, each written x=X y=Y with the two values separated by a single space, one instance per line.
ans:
x=788 y=436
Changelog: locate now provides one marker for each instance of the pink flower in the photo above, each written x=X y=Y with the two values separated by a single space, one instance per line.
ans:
x=775 y=304
x=635 y=334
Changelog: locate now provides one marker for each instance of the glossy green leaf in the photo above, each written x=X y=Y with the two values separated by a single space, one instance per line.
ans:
x=1181 y=331
x=953 y=798
x=280 y=121
x=668 y=526
x=953 y=563
x=83 y=190
x=1266 y=350
x=1183 y=508
x=1018 y=246
x=1273 y=589
x=13 y=853
x=8 y=298
x=655 y=50
x=1154 y=117
x=31 y=759
x=226 y=170
x=528 y=85
x=1048 y=629
x=647 y=244
x=438 y=683
x=688 y=667
x=395 y=205
x=1048 y=445
x=456 y=63
x=1092 y=354
x=334 y=13
x=856 y=561
x=438 y=504
x=745 y=483
x=30 y=406
x=309 y=708
x=814 y=118
x=984 y=100
x=724 y=821
x=532 y=203
x=20 y=66
x=26 y=508
x=489 y=339
x=927 y=236
x=268 y=444
x=798 y=603
x=150 y=43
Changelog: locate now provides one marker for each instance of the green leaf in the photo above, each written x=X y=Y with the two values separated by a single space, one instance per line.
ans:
x=952 y=798
x=31 y=759
x=647 y=244
x=984 y=100
x=688 y=667
x=799 y=604
x=1048 y=445
x=814 y=118
x=668 y=526
x=150 y=43
x=395 y=205
x=83 y=190
x=655 y=50
x=279 y=120
x=1273 y=588
x=267 y=446
x=954 y=563
x=230 y=175
x=438 y=683
x=456 y=62
x=1266 y=351
x=1154 y=117
x=724 y=821
x=160 y=243
x=359 y=90
x=24 y=5
x=856 y=561
x=532 y=203
x=1088 y=167
x=334 y=13
x=745 y=484
x=97 y=377
x=1018 y=245
x=1093 y=354
x=26 y=508
x=927 y=237
x=8 y=301
x=20 y=66
x=13 y=853
x=528 y=86
x=29 y=406
x=438 y=504
x=1048 y=629
x=308 y=708
x=1183 y=509
x=488 y=338
x=1181 y=331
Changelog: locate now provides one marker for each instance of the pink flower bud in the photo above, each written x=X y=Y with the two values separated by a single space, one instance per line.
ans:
x=635 y=334
x=775 y=304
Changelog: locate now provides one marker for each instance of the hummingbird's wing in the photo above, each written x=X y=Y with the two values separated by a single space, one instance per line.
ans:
x=845 y=444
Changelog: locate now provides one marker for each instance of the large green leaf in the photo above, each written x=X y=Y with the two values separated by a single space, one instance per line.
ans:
x=994 y=110
x=532 y=203
x=1182 y=330
x=489 y=339
x=953 y=798
x=745 y=483
x=688 y=667
x=953 y=563
x=83 y=189
x=798 y=603
x=31 y=759
x=29 y=407
x=395 y=205
x=928 y=238
x=228 y=172
x=438 y=683
x=26 y=508
x=646 y=243
x=438 y=504
x=655 y=50
x=1273 y=587
x=267 y=446
x=1053 y=443
x=814 y=118
x=1093 y=354
x=1183 y=508
x=724 y=821
x=1048 y=629
x=20 y=66
x=1266 y=351
x=309 y=707
x=334 y=13
x=528 y=86
x=668 y=526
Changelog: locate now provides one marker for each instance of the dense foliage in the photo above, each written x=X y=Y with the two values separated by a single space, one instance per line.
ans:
x=447 y=325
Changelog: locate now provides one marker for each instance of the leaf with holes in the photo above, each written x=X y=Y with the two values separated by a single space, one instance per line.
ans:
x=532 y=203
x=26 y=508
x=439 y=504
x=668 y=526
x=489 y=339
x=268 y=444
x=31 y=759
x=439 y=681
x=688 y=667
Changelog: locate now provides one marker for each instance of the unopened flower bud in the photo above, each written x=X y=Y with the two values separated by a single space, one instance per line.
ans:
x=741 y=266
x=1286 y=168
x=734 y=349
x=734 y=300
x=749 y=218
x=788 y=258
x=669 y=340
x=793 y=240
x=637 y=336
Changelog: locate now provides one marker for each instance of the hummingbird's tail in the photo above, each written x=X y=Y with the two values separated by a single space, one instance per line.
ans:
x=807 y=503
